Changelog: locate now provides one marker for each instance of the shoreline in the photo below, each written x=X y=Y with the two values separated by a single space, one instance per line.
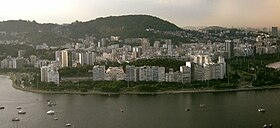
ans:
x=34 y=90
x=190 y=91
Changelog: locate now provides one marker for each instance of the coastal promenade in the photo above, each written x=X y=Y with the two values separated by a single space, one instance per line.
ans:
x=183 y=91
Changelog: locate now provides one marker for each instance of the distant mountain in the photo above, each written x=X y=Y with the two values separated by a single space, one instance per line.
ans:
x=32 y=32
x=215 y=28
x=124 y=26
x=25 y=26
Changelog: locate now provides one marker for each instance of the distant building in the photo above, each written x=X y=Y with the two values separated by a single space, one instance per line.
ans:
x=33 y=59
x=145 y=44
x=201 y=59
x=41 y=63
x=274 y=31
x=229 y=47
x=21 y=53
x=14 y=63
x=44 y=46
x=157 y=44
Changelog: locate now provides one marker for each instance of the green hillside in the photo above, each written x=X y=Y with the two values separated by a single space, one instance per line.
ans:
x=127 y=26
x=124 y=26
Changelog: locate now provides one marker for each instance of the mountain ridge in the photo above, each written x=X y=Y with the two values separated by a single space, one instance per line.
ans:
x=125 y=26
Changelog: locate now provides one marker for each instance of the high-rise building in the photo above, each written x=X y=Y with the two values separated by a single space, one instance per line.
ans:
x=186 y=72
x=142 y=73
x=64 y=58
x=98 y=73
x=229 y=47
x=53 y=76
x=145 y=44
x=130 y=73
x=161 y=74
x=44 y=73
x=197 y=72
x=48 y=74
x=274 y=31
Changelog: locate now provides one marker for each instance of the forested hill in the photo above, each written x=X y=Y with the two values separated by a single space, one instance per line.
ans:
x=25 y=26
x=124 y=26
x=31 y=32
x=127 y=26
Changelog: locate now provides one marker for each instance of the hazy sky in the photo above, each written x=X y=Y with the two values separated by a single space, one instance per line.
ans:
x=237 y=13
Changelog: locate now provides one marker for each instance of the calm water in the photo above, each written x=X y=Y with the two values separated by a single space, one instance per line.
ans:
x=222 y=110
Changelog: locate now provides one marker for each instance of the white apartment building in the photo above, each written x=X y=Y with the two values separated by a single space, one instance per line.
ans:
x=115 y=73
x=186 y=73
x=48 y=74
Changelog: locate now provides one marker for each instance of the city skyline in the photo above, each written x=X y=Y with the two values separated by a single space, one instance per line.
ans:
x=236 y=13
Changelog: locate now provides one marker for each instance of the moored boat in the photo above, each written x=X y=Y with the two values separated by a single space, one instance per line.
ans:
x=261 y=110
x=67 y=125
x=50 y=112
x=21 y=112
x=15 y=119
x=202 y=105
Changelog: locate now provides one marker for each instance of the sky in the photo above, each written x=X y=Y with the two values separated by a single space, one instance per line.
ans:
x=227 y=13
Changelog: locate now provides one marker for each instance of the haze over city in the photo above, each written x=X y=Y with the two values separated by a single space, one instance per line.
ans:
x=228 y=13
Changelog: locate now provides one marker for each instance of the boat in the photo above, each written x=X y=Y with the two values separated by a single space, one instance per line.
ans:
x=261 y=110
x=121 y=110
x=15 y=119
x=2 y=107
x=51 y=104
x=19 y=107
x=67 y=125
x=50 y=112
x=202 y=105
x=55 y=118
x=187 y=109
x=21 y=112
x=270 y=125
